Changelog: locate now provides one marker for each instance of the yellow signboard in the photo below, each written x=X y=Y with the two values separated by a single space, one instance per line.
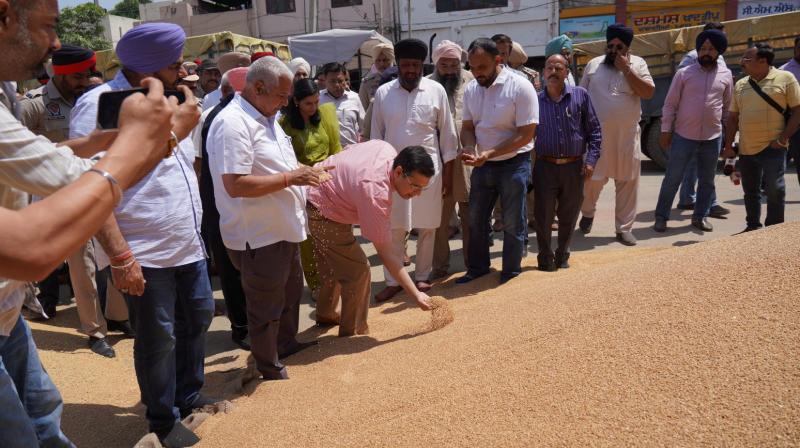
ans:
x=651 y=21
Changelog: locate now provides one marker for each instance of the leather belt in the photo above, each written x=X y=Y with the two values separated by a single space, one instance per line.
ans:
x=559 y=160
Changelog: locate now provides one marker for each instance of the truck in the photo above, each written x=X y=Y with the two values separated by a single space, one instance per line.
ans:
x=664 y=50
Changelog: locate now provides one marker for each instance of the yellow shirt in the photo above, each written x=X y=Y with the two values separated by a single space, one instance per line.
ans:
x=760 y=123
x=315 y=143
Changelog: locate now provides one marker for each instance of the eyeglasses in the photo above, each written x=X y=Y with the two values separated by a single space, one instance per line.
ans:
x=414 y=186
x=618 y=47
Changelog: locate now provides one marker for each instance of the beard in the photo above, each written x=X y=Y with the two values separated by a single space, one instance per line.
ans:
x=707 y=61
x=449 y=82
x=410 y=83
x=27 y=50
x=609 y=60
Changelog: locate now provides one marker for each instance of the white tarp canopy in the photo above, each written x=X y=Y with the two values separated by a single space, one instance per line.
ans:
x=336 y=45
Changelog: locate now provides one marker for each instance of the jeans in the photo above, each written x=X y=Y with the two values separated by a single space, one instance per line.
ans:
x=509 y=180
x=771 y=164
x=683 y=150
x=687 y=194
x=171 y=319
x=30 y=404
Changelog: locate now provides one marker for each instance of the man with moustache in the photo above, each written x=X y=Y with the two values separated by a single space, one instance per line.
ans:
x=567 y=149
x=160 y=217
x=226 y=62
x=691 y=127
x=449 y=73
x=209 y=77
x=383 y=55
x=348 y=105
x=414 y=111
x=501 y=112
x=617 y=82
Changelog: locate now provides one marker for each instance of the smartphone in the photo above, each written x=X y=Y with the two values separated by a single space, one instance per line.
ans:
x=110 y=103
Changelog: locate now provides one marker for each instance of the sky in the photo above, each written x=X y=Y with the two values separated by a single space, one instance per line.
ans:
x=108 y=4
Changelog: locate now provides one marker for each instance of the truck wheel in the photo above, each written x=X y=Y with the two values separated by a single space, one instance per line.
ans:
x=650 y=145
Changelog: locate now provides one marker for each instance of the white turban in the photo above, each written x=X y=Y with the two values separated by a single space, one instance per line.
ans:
x=298 y=63
x=447 y=49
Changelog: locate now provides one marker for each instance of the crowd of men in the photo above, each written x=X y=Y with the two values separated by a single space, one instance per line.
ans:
x=495 y=140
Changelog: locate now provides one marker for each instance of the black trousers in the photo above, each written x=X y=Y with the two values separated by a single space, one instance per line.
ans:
x=558 y=191
x=230 y=281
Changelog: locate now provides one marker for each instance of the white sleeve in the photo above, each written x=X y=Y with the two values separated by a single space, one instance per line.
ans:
x=526 y=105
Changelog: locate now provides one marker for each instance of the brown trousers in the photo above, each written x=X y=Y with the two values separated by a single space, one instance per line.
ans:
x=343 y=271
x=272 y=280
x=90 y=313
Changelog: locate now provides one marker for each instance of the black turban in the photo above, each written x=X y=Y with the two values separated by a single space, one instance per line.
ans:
x=72 y=59
x=621 y=32
x=411 y=49
x=717 y=38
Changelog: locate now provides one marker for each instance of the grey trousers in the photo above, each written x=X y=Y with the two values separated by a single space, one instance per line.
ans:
x=272 y=279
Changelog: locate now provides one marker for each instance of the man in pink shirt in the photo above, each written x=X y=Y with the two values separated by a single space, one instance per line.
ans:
x=691 y=126
x=360 y=192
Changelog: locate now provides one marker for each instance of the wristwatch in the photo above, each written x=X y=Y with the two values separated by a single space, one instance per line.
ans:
x=172 y=143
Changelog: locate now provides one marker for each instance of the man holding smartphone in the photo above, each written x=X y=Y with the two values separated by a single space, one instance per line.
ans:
x=160 y=217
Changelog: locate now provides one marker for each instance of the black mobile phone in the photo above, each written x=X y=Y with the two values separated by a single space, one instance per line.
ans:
x=109 y=104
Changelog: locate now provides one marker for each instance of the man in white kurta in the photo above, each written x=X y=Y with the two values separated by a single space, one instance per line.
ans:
x=616 y=83
x=414 y=111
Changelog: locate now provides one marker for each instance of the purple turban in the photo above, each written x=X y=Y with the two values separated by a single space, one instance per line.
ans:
x=151 y=47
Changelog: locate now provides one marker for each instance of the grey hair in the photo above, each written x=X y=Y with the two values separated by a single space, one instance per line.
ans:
x=268 y=70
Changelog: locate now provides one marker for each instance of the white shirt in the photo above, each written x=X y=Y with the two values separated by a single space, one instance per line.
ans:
x=212 y=99
x=197 y=133
x=350 y=112
x=159 y=216
x=498 y=110
x=242 y=141
x=421 y=117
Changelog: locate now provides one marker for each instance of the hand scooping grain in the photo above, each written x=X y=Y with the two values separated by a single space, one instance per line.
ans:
x=441 y=314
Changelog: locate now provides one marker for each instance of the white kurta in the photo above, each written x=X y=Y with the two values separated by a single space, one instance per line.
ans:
x=619 y=111
x=417 y=118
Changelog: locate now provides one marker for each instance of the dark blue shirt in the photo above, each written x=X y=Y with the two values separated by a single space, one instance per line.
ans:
x=568 y=127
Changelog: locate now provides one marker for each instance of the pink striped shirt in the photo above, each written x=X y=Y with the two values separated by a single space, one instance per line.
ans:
x=697 y=102
x=360 y=191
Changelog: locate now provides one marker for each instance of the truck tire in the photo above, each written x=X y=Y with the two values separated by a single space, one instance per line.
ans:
x=650 y=145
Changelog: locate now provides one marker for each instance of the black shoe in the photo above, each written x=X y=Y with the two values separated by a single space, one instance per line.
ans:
x=122 y=326
x=686 y=206
x=751 y=228
x=585 y=224
x=468 y=278
x=561 y=262
x=199 y=403
x=548 y=267
x=505 y=278
x=241 y=342
x=718 y=211
x=101 y=347
x=660 y=225
x=702 y=224
x=297 y=348
x=178 y=437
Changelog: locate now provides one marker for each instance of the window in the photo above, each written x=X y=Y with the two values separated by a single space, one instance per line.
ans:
x=343 y=3
x=280 y=6
x=464 y=5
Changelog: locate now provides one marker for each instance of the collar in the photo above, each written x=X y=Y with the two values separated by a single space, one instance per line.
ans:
x=771 y=73
x=251 y=110
x=120 y=82
x=568 y=89
x=343 y=97
x=503 y=76
x=52 y=90
x=420 y=86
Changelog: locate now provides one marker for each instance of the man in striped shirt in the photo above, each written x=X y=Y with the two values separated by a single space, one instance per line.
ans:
x=567 y=149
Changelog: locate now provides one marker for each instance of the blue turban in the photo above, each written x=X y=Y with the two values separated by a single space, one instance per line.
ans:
x=717 y=38
x=557 y=44
x=151 y=47
x=620 y=32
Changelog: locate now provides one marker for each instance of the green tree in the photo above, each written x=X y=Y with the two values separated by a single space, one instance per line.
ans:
x=128 y=8
x=81 y=26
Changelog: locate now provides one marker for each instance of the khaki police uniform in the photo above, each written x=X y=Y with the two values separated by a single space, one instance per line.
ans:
x=45 y=112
